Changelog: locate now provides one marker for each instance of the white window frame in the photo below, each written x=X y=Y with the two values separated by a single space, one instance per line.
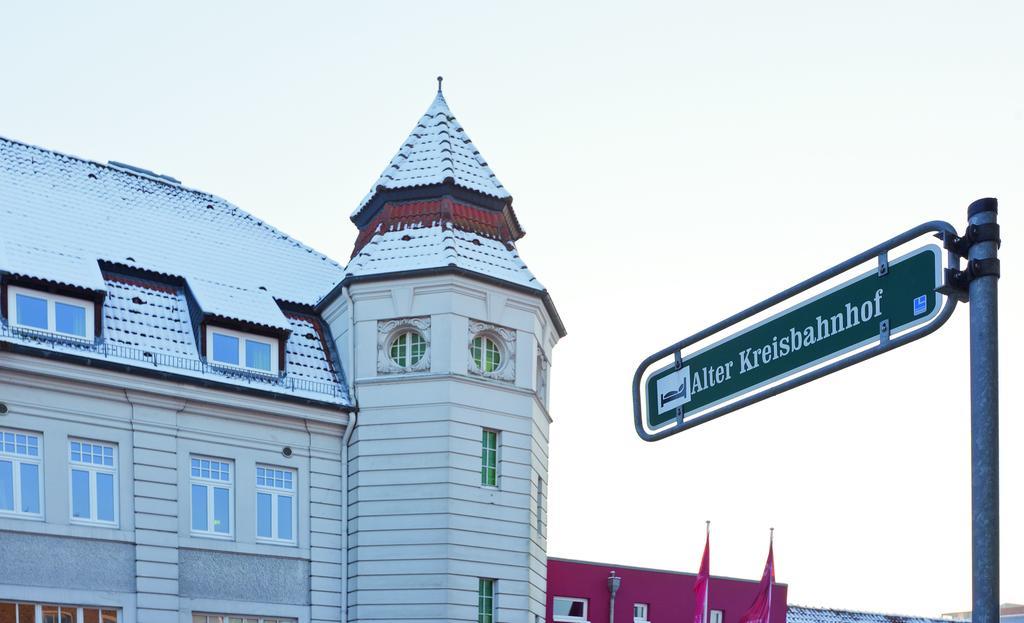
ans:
x=242 y=336
x=274 y=493
x=16 y=462
x=78 y=611
x=716 y=616
x=409 y=334
x=572 y=619
x=209 y=617
x=540 y=505
x=480 y=613
x=641 y=612
x=51 y=313
x=497 y=459
x=210 y=484
x=92 y=469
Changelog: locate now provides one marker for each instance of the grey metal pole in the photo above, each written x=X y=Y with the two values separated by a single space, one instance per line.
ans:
x=984 y=420
x=613 y=587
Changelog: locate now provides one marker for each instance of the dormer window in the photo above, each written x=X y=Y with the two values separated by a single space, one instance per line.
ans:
x=51 y=313
x=247 y=351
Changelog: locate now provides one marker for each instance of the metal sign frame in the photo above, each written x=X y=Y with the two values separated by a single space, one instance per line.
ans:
x=941 y=229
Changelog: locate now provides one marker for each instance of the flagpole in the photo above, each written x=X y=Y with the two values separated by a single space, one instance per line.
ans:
x=771 y=577
x=707 y=584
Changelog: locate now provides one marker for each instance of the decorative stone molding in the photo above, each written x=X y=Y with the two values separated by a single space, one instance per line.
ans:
x=506 y=341
x=542 y=376
x=388 y=330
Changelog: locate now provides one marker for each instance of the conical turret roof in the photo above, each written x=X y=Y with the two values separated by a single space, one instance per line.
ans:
x=437 y=151
x=438 y=207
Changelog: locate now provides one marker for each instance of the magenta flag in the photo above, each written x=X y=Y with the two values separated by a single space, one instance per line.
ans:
x=761 y=610
x=701 y=588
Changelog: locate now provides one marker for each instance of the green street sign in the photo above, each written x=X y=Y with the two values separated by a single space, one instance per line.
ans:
x=863 y=310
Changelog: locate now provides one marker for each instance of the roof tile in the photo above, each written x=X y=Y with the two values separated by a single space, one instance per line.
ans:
x=437 y=149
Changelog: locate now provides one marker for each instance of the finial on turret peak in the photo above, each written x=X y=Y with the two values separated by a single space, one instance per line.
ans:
x=439 y=80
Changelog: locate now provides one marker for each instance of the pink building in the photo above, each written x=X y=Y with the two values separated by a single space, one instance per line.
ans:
x=578 y=592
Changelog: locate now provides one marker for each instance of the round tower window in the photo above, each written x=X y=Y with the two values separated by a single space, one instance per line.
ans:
x=486 y=353
x=407 y=349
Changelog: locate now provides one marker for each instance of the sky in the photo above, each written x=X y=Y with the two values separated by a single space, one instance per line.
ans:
x=672 y=163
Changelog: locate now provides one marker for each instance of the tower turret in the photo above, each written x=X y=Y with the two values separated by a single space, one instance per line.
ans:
x=449 y=337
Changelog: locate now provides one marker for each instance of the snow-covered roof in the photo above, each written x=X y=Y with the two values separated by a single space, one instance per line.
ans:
x=803 y=614
x=226 y=301
x=61 y=214
x=438 y=245
x=62 y=266
x=73 y=222
x=438 y=149
x=460 y=218
x=147 y=325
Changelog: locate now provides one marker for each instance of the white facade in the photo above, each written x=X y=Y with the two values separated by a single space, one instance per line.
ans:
x=149 y=565
x=423 y=529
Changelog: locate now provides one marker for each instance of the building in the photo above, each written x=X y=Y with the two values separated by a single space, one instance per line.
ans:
x=202 y=419
x=433 y=534
x=803 y=614
x=578 y=592
x=1008 y=613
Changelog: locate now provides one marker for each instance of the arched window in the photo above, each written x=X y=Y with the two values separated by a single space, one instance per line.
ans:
x=403 y=345
x=407 y=349
x=486 y=353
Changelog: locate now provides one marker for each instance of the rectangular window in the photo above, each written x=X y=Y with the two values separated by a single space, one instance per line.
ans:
x=21 y=485
x=257 y=355
x=640 y=613
x=242 y=350
x=540 y=506
x=212 y=496
x=236 y=618
x=572 y=609
x=716 y=616
x=31 y=312
x=225 y=349
x=69 y=319
x=52 y=313
x=14 y=612
x=275 y=504
x=489 y=459
x=485 y=601
x=93 y=469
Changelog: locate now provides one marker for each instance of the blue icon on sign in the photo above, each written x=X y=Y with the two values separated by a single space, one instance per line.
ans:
x=920 y=304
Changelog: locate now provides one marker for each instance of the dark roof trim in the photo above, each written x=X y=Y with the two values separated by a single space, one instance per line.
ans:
x=127 y=270
x=245 y=326
x=53 y=287
x=431 y=191
x=166 y=376
x=549 y=304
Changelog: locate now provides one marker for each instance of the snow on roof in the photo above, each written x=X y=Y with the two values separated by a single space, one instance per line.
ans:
x=803 y=614
x=438 y=149
x=58 y=209
x=305 y=353
x=62 y=215
x=226 y=301
x=147 y=325
x=148 y=317
x=60 y=266
x=441 y=245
